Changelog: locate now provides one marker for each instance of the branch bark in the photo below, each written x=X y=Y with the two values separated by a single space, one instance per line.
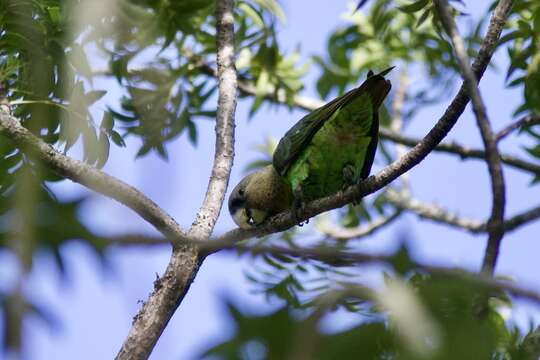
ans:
x=170 y=290
x=496 y=231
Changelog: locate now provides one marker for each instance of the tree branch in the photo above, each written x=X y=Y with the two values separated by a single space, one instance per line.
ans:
x=436 y=213
x=134 y=239
x=424 y=210
x=344 y=233
x=524 y=121
x=335 y=256
x=90 y=177
x=169 y=291
x=496 y=231
x=463 y=151
x=433 y=212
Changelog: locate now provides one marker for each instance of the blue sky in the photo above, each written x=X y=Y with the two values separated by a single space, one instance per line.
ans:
x=95 y=305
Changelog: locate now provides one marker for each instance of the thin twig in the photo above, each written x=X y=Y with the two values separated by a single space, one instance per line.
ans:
x=433 y=212
x=334 y=256
x=496 y=231
x=343 y=233
x=169 y=291
x=464 y=152
x=528 y=120
x=436 y=213
x=424 y=210
x=134 y=239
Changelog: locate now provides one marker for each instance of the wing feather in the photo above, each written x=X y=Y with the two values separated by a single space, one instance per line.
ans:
x=300 y=135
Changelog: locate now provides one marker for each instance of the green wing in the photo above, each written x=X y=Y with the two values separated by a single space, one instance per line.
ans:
x=300 y=135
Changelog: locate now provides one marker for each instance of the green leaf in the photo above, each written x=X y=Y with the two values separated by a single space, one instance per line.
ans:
x=401 y=261
x=90 y=145
x=54 y=14
x=107 y=122
x=118 y=139
x=93 y=96
x=534 y=151
x=192 y=132
x=414 y=7
x=103 y=150
x=79 y=61
x=424 y=16
x=273 y=7
x=252 y=14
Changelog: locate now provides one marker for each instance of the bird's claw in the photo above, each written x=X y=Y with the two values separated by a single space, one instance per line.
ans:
x=350 y=179
x=298 y=207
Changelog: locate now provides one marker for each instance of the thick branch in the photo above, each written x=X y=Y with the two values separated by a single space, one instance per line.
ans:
x=496 y=231
x=183 y=266
x=90 y=177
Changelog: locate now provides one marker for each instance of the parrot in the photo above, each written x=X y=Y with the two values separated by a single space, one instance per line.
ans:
x=327 y=150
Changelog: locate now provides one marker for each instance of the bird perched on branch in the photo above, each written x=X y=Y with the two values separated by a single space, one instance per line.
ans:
x=327 y=150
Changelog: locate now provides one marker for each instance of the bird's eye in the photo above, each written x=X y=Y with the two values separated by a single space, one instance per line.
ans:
x=241 y=192
x=250 y=220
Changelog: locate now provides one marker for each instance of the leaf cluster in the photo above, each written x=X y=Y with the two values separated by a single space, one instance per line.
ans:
x=386 y=332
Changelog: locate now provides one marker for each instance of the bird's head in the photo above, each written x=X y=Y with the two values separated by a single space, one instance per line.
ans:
x=243 y=214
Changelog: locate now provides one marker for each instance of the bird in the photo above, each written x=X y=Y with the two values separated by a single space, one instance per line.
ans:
x=326 y=151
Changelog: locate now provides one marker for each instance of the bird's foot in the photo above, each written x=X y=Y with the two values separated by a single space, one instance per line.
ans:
x=299 y=207
x=350 y=179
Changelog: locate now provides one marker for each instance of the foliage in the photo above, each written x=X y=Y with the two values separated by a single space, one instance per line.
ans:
x=160 y=55
x=523 y=71
x=382 y=332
